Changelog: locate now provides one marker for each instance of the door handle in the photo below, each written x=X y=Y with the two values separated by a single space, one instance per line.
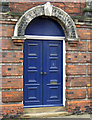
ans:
x=45 y=73
x=41 y=73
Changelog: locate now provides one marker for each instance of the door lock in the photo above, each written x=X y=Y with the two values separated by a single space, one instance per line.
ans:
x=45 y=73
x=41 y=73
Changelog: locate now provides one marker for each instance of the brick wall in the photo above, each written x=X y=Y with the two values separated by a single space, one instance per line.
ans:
x=69 y=7
x=12 y=71
x=78 y=70
x=78 y=59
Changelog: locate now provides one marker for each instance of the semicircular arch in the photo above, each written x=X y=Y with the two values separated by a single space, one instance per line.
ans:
x=47 y=10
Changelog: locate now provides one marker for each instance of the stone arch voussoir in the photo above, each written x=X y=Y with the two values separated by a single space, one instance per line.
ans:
x=47 y=10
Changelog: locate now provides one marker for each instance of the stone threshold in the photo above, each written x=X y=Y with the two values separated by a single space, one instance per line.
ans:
x=44 y=112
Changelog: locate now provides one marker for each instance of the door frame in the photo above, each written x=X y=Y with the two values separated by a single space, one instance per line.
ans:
x=34 y=37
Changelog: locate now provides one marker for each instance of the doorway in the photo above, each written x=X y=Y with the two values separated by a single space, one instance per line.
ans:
x=43 y=64
x=43 y=67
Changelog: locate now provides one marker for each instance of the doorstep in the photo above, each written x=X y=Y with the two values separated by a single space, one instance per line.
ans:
x=44 y=112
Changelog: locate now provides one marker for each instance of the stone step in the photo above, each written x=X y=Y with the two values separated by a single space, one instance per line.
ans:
x=45 y=115
x=44 y=112
x=43 y=109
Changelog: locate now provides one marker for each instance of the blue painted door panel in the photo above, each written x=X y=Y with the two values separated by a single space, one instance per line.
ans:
x=32 y=77
x=53 y=78
x=46 y=57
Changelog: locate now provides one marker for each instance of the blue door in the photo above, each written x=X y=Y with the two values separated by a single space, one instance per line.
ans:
x=53 y=72
x=43 y=73
x=32 y=69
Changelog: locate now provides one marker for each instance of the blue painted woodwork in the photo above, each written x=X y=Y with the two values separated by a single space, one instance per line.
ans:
x=47 y=88
x=32 y=77
x=53 y=66
x=44 y=26
x=44 y=56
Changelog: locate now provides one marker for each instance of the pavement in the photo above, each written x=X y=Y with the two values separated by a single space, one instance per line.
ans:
x=70 y=117
x=61 y=117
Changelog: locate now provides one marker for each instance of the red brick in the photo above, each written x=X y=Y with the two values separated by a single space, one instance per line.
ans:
x=81 y=46
x=78 y=58
x=89 y=69
x=18 y=41
x=78 y=26
x=72 y=9
x=8 y=22
x=61 y=5
x=21 y=7
x=12 y=109
x=10 y=70
x=83 y=3
x=83 y=26
x=78 y=81
x=90 y=46
x=71 y=105
x=69 y=7
x=17 y=109
x=9 y=83
x=6 y=31
x=76 y=94
x=90 y=93
x=7 y=44
x=82 y=6
x=85 y=34
x=1 y=113
x=76 y=69
x=12 y=96
x=12 y=57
